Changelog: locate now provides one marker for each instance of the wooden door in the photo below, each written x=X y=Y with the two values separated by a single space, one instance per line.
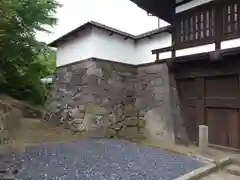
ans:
x=213 y=101
x=221 y=101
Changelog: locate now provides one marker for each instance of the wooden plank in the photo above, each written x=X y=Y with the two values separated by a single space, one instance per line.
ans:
x=238 y=16
x=221 y=102
x=191 y=101
x=238 y=111
x=233 y=129
x=218 y=26
x=194 y=27
x=200 y=101
x=183 y=30
x=195 y=73
x=199 y=26
x=157 y=56
x=161 y=50
x=232 y=18
x=213 y=22
x=205 y=24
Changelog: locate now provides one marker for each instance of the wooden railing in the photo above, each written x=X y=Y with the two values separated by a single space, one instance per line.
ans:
x=207 y=23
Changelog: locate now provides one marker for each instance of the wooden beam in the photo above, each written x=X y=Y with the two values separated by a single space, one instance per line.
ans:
x=218 y=29
x=183 y=2
x=157 y=57
x=162 y=50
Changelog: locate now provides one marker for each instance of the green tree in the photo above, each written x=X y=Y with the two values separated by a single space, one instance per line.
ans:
x=23 y=59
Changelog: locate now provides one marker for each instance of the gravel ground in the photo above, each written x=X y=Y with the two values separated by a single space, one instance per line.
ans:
x=102 y=160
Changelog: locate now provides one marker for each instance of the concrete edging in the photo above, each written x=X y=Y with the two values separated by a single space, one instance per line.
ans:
x=203 y=171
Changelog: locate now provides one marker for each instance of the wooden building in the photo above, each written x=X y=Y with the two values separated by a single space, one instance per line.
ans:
x=208 y=77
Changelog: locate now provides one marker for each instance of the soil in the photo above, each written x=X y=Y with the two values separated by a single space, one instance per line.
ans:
x=27 y=128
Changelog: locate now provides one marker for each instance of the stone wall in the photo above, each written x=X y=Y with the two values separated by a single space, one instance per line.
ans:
x=178 y=123
x=152 y=101
x=104 y=98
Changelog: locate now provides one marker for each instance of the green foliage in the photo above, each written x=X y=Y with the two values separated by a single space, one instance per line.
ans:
x=23 y=59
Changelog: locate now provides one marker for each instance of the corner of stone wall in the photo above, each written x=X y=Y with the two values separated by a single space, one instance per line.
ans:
x=179 y=125
x=152 y=102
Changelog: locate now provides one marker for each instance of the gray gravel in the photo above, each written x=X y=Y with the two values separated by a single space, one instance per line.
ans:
x=102 y=160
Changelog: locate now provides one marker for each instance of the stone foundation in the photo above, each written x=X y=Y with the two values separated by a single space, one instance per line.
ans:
x=111 y=99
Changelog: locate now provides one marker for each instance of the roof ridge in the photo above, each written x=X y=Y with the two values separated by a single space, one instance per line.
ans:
x=109 y=27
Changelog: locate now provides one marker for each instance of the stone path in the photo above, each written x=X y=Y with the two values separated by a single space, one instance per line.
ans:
x=230 y=172
x=221 y=175
x=98 y=159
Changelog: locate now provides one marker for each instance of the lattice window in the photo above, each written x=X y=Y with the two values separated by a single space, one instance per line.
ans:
x=195 y=26
x=231 y=18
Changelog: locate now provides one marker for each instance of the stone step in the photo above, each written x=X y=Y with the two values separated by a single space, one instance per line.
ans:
x=220 y=175
x=7 y=177
x=2 y=171
x=233 y=169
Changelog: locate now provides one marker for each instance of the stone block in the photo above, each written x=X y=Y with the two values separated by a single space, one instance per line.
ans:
x=159 y=97
x=77 y=80
x=93 y=81
x=129 y=111
x=76 y=113
x=89 y=119
x=203 y=138
x=131 y=122
x=157 y=81
x=89 y=64
x=67 y=77
x=80 y=127
x=159 y=90
x=112 y=118
x=95 y=109
x=78 y=120
x=142 y=113
x=4 y=136
x=233 y=169
x=143 y=131
x=153 y=68
x=94 y=71
x=139 y=103
x=142 y=123
x=111 y=133
x=156 y=125
x=129 y=132
x=117 y=126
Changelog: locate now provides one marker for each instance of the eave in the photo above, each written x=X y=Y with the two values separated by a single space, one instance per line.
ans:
x=164 y=9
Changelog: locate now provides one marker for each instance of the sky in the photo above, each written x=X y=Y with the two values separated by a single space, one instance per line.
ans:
x=120 y=14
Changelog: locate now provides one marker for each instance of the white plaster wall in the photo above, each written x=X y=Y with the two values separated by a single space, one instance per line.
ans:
x=98 y=44
x=196 y=50
x=113 y=48
x=190 y=5
x=75 y=49
x=233 y=43
x=165 y=55
x=146 y=45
